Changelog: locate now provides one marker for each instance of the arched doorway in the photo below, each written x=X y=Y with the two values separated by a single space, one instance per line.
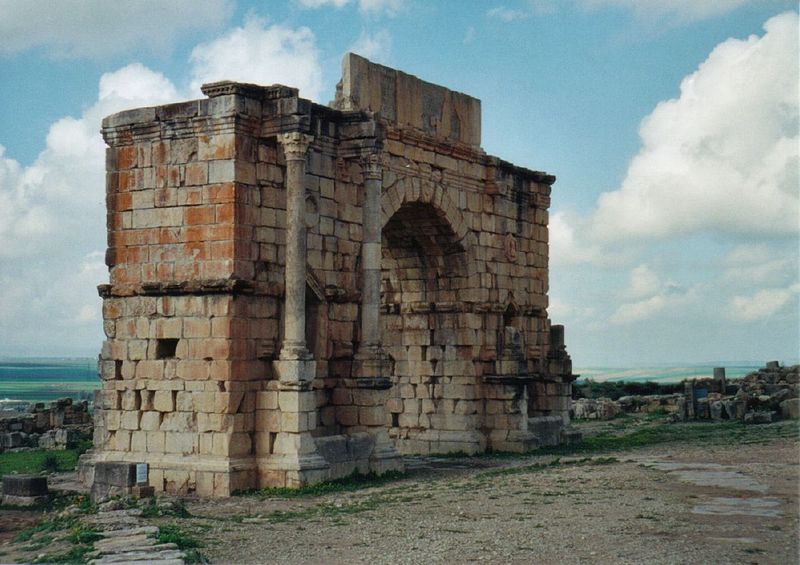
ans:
x=434 y=395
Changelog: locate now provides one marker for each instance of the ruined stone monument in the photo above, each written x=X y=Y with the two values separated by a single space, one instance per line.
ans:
x=299 y=292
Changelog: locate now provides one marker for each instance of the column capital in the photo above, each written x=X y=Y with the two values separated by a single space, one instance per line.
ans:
x=372 y=164
x=295 y=145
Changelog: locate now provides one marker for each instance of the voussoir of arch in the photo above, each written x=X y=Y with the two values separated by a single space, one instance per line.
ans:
x=430 y=193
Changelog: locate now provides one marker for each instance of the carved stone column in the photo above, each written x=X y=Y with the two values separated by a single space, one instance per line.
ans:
x=369 y=389
x=371 y=254
x=299 y=366
x=371 y=365
x=295 y=460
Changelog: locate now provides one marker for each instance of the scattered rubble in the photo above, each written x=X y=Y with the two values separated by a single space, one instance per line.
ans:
x=760 y=397
x=54 y=426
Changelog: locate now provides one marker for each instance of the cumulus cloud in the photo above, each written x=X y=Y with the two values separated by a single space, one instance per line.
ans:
x=752 y=264
x=723 y=157
x=376 y=46
x=52 y=223
x=98 y=28
x=765 y=303
x=261 y=54
x=648 y=296
x=389 y=7
x=52 y=212
x=643 y=282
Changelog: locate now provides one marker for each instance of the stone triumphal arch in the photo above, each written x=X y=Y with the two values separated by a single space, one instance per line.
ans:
x=299 y=292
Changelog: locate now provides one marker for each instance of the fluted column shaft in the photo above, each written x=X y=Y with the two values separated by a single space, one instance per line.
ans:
x=295 y=148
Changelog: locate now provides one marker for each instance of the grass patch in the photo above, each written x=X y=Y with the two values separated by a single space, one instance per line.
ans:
x=695 y=432
x=37 y=460
x=172 y=533
x=190 y=545
x=347 y=484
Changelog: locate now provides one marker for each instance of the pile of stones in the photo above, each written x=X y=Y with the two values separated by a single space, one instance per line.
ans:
x=763 y=396
x=53 y=426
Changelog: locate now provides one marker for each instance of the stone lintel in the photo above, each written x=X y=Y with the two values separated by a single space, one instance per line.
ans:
x=177 y=288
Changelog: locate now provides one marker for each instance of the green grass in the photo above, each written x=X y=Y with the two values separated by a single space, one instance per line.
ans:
x=692 y=432
x=190 y=545
x=347 y=484
x=38 y=460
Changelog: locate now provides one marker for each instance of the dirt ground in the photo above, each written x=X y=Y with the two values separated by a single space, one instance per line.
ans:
x=666 y=504
x=680 y=502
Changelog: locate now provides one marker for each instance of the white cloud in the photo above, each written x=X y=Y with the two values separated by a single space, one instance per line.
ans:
x=643 y=282
x=376 y=46
x=390 y=7
x=723 y=157
x=508 y=14
x=752 y=264
x=676 y=11
x=650 y=295
x=764 y=303
x=98 y=28
x=52 y=219
x=262 y=55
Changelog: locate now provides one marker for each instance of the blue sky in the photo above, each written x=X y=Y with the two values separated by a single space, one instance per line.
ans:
x=672 y=126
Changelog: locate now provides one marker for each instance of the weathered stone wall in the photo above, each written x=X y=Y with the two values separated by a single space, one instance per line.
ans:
x=198 y=379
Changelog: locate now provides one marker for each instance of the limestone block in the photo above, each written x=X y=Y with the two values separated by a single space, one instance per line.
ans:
x=294 y=422
x=394 y=405
x=178 y=422
x=156 y=442
x=129 y=421
x=268 y=420
x=184 y=443
x=183 y=401
x=372 y=415
x=150 y=421
x=408 y=420
x=139 y=442
x=267 y=400
x=297 y=401
x=130 y=400
x=164 y=401
x=204 y=483
x=145 y=399
x=347 y=415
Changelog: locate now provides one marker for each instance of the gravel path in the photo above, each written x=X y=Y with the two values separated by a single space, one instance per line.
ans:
x=667 y=504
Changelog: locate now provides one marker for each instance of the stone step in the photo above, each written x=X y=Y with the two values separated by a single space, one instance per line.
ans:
x=129 y=531
x=141 y=557
x=116 y=544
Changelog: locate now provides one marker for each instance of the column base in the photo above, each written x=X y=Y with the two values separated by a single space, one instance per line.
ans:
x=295 y=373
x=384 y=458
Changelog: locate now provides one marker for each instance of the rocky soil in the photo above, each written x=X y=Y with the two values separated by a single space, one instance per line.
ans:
x=676 y=503
x=727 y=496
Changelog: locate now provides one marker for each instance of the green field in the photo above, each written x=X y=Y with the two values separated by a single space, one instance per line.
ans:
x=44 y=379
